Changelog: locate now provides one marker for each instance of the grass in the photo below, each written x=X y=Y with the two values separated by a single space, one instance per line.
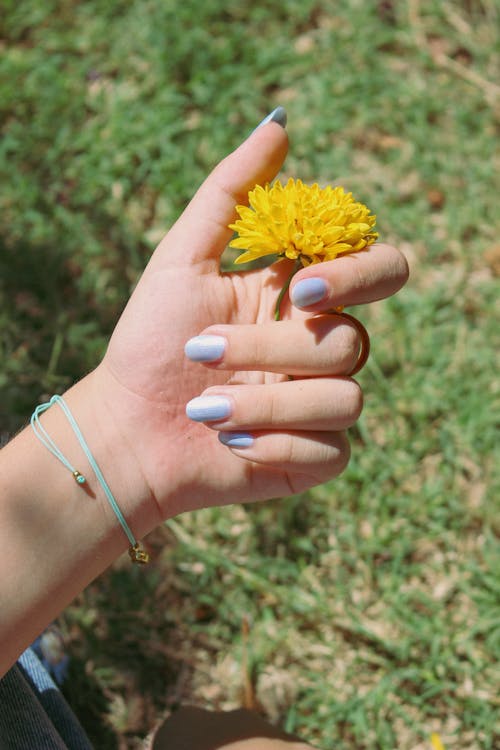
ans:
x=366 y=613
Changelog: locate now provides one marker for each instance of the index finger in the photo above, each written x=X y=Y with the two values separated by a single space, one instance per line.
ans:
x=354 y=279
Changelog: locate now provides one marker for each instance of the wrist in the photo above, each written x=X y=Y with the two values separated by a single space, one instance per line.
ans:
x=57 y=535
x=105 y=421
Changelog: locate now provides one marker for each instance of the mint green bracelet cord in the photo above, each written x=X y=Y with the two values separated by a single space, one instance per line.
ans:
x=137 y=554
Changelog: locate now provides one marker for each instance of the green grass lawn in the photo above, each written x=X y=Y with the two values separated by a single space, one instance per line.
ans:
x=364 y=614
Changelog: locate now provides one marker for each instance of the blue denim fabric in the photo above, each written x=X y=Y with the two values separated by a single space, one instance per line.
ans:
x=48 y=648
x=33 y=712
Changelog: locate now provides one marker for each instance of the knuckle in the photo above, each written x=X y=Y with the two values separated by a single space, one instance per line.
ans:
x=291 y=452
x=404 y=269
x=335 y=454
x=343 y=452
x=258 y=351
x=334 y=458
x=400 y=269
x=273 y=406
x=354 y=400
x=361 y=280
x=344 y=347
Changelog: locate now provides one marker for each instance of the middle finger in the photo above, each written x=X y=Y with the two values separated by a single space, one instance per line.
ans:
x=321 y=345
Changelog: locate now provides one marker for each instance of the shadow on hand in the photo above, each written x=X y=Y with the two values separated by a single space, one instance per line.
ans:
x=192 y=728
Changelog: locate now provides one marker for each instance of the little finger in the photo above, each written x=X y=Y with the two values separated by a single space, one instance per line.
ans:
x=314 y=456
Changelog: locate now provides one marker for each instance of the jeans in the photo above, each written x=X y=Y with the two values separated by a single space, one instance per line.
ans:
x=33 y=713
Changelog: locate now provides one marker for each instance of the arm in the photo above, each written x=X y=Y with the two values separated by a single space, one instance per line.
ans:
x=55 y=536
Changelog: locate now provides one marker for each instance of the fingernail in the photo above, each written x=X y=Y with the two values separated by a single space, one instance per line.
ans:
x=236 y=439
x=308 y=291
x=277 y=115
x=208 y=408
x=205 y=348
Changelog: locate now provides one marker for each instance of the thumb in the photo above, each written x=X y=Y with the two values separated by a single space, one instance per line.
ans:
x=201 y=233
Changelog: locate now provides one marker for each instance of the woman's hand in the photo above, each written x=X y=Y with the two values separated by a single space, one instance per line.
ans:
x=277 y=436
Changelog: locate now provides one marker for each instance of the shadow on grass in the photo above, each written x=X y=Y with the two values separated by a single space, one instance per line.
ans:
x=53 y=321
x=88 y=701
x=131 y=656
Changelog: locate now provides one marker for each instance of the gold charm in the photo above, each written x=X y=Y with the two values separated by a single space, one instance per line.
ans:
x=79 y=478
x=138 y=555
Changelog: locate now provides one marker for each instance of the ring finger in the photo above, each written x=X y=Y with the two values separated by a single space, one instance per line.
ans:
x=321 y=345
x=312 y=404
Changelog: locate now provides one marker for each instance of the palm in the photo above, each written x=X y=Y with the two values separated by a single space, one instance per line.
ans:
x=156 y=381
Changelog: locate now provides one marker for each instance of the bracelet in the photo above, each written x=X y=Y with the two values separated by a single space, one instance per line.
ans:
x=137 y=554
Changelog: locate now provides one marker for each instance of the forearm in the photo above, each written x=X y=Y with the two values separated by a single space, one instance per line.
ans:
x=56 y=536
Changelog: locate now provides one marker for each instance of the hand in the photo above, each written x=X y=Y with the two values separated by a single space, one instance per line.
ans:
x=294 y=429
x=57 y=536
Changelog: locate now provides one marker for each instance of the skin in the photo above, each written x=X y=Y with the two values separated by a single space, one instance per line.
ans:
x=55 y=536
x=241 y=729
x=261 y=743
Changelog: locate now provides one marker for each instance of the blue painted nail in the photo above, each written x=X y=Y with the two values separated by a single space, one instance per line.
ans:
x=277 y=115
x=205 y=348
x=208 y=408
x=236 y=439
x=308 y=291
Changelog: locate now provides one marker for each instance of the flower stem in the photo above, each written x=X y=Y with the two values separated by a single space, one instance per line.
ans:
x=277 y=307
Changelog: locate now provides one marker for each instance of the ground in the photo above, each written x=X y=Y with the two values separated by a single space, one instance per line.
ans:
x=365 y=613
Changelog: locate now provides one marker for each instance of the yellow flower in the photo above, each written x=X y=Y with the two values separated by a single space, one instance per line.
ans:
x=301 y=222
x=436 y=741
